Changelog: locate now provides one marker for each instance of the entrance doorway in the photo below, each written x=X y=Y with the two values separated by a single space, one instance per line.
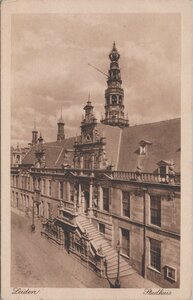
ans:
x=86 y=201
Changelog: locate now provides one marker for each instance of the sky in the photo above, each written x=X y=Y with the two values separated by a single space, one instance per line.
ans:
x=49 y=69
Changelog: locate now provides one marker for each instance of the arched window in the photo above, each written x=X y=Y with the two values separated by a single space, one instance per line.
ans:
x=17 y=159
x=114 y=99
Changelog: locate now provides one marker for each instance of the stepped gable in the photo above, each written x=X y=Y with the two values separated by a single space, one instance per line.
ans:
x=165 y=145
x=56 y=153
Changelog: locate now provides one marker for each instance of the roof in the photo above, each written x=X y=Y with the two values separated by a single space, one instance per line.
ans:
x=122 y=147
x=56 y=153
x=165 y=139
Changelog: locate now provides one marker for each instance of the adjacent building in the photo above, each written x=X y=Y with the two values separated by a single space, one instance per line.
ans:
x=114 y=184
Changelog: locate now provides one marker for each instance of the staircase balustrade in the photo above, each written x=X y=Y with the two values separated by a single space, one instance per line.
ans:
x=82 y=246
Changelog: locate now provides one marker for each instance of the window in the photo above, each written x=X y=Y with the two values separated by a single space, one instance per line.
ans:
x=18 y=159
x=21 y=200
x=49 y=188
x=48 y=210
x=101 y=228
x=28 y=183
x=33 y=184
x=71 y=192
x=114 y=99
x=87 y=162
x=43 y=186
x=142 y=149
x=16 y=183
x=155 y=208
x=39 y=181
x=155 y=254
x=13 y=197
x=17 y=200
x=25 y=182
x=162 y=170
x=27 y=202
x=22 y=182
x=170 y=273
x=106 y=199
x=126 y=203
x=61 y=190
x=125 y=241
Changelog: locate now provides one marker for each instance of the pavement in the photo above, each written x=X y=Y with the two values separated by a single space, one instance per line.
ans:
x=35 y=262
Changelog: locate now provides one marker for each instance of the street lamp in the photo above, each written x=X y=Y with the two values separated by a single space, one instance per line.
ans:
x=33 y=227
x=37 y=201
x=117 y=283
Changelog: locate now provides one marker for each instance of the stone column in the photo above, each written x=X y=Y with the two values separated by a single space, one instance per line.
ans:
x=79 y=198
x=90 y=195
x=82 y=201
x=68 y=190
x=92 y=161
x=75 y=198
x=100 y=198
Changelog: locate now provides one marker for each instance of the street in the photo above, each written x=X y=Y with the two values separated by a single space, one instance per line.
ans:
x=37 y=263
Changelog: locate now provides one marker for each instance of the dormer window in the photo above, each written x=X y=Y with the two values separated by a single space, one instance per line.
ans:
x=163 y=166
x=143 y=147
x=163 y=170
x=142 y=150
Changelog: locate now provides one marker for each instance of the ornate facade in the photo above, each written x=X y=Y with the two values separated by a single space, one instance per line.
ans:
x=112 y=184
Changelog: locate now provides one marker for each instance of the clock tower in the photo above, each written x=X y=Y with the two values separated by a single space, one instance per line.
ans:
x=114 y=94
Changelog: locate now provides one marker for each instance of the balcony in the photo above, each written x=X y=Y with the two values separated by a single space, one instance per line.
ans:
x=147 y=177
x=172 y=179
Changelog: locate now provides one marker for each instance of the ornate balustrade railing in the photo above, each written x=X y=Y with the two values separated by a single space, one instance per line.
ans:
x=82 y=246
x=173 y=178
x=147 y=177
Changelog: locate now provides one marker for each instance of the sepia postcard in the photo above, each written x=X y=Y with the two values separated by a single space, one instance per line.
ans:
x=96 y=149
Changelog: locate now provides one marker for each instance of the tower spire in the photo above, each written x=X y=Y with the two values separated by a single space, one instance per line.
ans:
x=34 y=134
x=114 y=94
x=60 y=134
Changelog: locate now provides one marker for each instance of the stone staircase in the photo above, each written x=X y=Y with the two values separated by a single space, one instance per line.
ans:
x=111 y=254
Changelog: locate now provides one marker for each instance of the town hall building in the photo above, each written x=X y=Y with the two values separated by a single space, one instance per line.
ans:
x=114 y=184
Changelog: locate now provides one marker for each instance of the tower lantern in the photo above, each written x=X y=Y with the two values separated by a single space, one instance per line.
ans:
x=114 y=94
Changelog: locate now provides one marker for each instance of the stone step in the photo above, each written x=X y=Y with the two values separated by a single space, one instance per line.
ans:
x=110 y=252
x=92 y=232
x=122 y=266
x=82 y=221
x=87 y=226
x=97 y=241
x=95 y=236
x=113 y=274
x=106 y=246
x=89 y=230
